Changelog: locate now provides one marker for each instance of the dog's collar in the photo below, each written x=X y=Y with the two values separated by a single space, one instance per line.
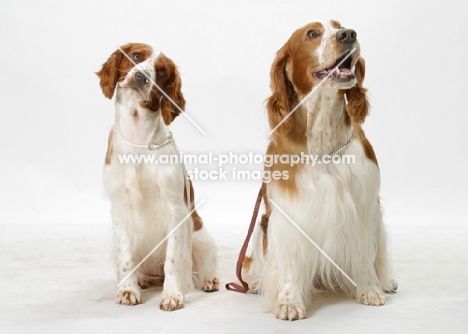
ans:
x=342 y=147
x=337 y=150
x=150 y=146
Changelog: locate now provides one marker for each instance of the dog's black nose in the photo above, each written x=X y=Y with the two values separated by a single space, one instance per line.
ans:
x=346 y=36
x=140 y=78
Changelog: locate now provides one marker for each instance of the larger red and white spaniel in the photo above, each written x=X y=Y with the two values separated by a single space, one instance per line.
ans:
x=151 y=202
x=322 y=229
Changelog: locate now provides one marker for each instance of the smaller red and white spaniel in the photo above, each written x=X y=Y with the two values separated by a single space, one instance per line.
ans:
x=149 y=201
x=335 y=204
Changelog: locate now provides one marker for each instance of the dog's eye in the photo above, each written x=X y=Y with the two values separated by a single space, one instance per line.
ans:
x=162 y=72
x=136 y=56
x=312 y=34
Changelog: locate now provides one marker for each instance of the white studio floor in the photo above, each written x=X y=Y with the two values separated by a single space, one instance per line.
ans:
x=58 y=279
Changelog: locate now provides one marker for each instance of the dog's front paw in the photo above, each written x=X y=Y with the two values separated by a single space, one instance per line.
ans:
x=211 y=285
x=374 y=297
x=128 y=297
x=290 y=312
x=171 y=302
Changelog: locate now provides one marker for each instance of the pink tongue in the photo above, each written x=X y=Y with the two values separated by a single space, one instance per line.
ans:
x=344 y=73
x=343 y=69
x=346 y=70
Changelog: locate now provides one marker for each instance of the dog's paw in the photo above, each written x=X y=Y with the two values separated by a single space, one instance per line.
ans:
x=211 y=285
x=143 y=284
x=289 y=312
x=392 y=288
x=372 y=297
x=128 y=297
x=171 y=302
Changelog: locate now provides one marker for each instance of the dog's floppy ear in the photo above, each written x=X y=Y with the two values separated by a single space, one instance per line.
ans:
x=109 y=73
x=279 y=104
x=168 y=79
x=358 y=104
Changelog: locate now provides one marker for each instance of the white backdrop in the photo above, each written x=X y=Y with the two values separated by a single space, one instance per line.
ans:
x=55 y=220
x=55 y=121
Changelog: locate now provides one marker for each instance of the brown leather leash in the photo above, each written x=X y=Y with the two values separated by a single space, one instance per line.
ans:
x=244 y=288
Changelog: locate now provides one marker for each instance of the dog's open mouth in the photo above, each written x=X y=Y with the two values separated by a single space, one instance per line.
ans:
x=338 y=72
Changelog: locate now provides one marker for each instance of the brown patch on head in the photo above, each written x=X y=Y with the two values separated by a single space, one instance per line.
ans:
x=110 y=148
x=304 y=61
x=291 y=75
x=168 y=79
x=118 y=65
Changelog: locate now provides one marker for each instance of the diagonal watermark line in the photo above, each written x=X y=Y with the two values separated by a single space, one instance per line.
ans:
x=311 y=92
x=160 y=243
x=163 y=92
x=312 y=241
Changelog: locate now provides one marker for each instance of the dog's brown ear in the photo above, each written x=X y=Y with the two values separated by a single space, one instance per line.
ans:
x=358 y=104
x=108 y=74
x=279 y=104
x=168 y=79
